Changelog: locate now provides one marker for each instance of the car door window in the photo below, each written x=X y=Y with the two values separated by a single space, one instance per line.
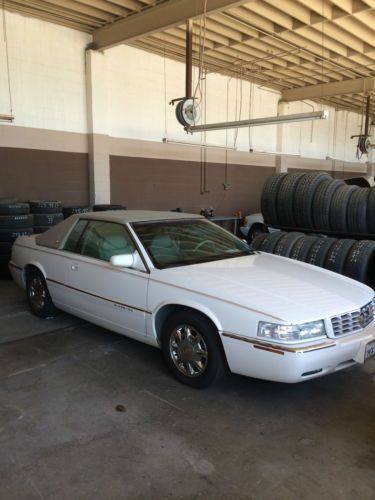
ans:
x=101 y=240
x=75 y=235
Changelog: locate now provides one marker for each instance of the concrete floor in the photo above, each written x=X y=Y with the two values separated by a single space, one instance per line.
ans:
x=61 y=436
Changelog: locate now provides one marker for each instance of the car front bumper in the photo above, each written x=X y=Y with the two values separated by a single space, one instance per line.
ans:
x=290 y=364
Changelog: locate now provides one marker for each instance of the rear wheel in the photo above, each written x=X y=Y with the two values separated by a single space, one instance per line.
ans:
x=38 y=296
x=192 y=350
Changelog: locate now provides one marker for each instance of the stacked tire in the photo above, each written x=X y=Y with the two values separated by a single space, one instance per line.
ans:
x=107 y=206
x=316 y=201
x=15 y=220
x=355 y=259
x=46 y=214
x=78 y=209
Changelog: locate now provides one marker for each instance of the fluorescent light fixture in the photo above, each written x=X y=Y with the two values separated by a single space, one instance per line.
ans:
x=257 y=122
x=275 y=153
x=6 y=118
x=196 y=144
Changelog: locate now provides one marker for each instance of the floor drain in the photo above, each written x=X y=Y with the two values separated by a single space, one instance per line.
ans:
x=120 y=408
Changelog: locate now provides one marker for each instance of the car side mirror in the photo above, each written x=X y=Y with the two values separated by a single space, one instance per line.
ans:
x=126 y=260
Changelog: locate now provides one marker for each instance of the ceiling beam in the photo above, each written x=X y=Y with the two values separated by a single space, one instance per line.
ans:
x=356 y=86
x=163 y=16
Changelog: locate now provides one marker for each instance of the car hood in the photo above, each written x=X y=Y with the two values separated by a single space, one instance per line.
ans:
x=281 y=288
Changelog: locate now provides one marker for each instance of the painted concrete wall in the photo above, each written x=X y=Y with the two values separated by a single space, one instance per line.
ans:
x=47 y=74
x=126 y=113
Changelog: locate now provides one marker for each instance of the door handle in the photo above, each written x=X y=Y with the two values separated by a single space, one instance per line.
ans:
x=74 y=267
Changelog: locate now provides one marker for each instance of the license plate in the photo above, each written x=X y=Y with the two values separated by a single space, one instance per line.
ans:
x=370 y=350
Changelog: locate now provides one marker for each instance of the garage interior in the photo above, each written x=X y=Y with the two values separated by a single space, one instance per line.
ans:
x=86 y=117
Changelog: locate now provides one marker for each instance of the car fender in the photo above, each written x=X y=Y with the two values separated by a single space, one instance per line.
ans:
x=36 y=264
x=192 y=304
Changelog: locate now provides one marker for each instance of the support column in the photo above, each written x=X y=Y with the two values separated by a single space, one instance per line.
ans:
x=97 y=127
x=281 y=161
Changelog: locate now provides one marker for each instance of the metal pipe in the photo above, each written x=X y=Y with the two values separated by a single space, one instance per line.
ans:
x=189 y=58
x=367 y=118
x=257 y=122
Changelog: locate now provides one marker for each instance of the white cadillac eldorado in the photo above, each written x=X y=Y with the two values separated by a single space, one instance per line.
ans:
x=185 y=285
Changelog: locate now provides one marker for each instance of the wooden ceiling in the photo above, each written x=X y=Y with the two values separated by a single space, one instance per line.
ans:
x=280 y=44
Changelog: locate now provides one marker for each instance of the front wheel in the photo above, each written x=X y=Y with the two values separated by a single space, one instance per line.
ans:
x=38 y=296
x=192 y=349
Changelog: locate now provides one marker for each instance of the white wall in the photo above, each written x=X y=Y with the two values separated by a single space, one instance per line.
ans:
x=47 y=74
x=47 y=71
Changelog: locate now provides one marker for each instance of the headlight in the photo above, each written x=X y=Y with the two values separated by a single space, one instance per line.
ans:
x=291 y=333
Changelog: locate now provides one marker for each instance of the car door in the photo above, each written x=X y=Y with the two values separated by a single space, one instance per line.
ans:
x=113 y=297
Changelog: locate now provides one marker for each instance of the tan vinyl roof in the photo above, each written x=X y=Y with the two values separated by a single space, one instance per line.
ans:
x=280 y=44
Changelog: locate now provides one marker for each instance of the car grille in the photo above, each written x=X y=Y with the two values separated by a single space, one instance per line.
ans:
x=354 y=321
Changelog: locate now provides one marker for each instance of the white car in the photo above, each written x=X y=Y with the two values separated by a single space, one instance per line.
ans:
x=254 y=225
x=183 y=284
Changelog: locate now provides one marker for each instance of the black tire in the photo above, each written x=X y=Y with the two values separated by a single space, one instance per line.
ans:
x=371 y=211
x=304 y=196
x=4 y=272
x=47 y=219
x=4 y=259
x=5 y=247
x=14 y=208
x=270 y=243
x=45 y=207
x=322 y=203
x=337 y=255
x=255 y=230
x=339 y=208
x=41 y=229
x=302 y=248
x=212 y=365
x=16 y=221
x=9 y=235
x=360 y=263
x=319 y=250
x=257 y=242
x=68 y=211
x=38 y=296
x=269 y=199
x=285 y=245
x=285 y=199
x=357 y=211
x=104 y=207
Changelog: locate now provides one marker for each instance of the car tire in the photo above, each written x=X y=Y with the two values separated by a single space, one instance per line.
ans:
x=183 y=358
x=285 y=199
x=338 y=254
x=11 y=234
x=257 y=242
x=322 y=203
x=45 y=207
x=285 y=245
x=319 y=250
x=339 y=208
x=270 y=243
x=107 y=206
x=23 y=220
x=79 y=209
x=38 y=296
x=371 y=211
x=301 y=249
x=269 y=199
x=360 y=263
x=48 y=219
x=9 y=207
x=255 y=230
x=357 y=211
x=304 y=196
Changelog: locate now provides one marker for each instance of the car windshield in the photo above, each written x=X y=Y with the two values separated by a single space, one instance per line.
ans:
x=184 y=242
